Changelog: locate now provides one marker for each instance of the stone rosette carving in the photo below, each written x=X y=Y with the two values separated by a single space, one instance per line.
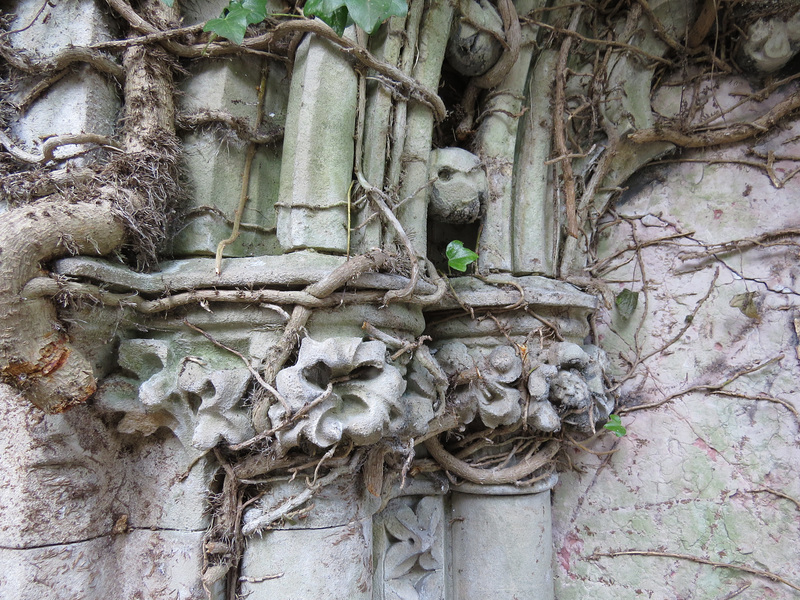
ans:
x=356 y=392
x=564 y=382
x=200 y=403
x=415 y=554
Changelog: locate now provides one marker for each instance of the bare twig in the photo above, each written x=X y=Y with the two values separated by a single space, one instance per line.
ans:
x=777 y=493
x=763 y=398
x=730 y=134
x=704 y=561
x=770 y=238
x=703 y=388
x=610 y=43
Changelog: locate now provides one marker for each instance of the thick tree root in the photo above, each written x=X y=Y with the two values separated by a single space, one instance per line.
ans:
x=35 y=352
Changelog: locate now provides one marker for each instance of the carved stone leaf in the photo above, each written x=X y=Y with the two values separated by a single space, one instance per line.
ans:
x=402 y=555
x=219 y=415
x=401 y=589
x=416 y=534
x=365 y=392
x=200 y=404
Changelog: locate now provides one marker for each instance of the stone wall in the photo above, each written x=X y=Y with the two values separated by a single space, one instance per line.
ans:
x=711 y=472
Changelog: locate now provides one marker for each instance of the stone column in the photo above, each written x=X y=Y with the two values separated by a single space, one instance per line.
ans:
x=521 y=372
x=318 y=150
x=502 y=544
x=413 y=213
x=215 y=153
x=323 y=553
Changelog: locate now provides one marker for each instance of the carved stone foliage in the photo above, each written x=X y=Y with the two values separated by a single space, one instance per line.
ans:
x=569 y=380
x=564 y=382
x=355 y=393
x=414 y=559
x=166 y=387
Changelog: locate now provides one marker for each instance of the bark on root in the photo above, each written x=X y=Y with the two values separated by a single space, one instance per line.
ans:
x=36 y=355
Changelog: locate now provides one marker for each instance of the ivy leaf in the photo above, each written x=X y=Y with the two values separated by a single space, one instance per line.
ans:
x=232 y=26
x=746 y=303
x=626 y=302
x=458 y=257
x=322 y=8
x=257 y=9
x=615 y=426
x=332 y=12
x=236 y=17
x=369 y=14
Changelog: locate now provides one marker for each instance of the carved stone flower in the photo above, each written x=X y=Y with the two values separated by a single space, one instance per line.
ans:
x=567 y=385
x=363 y=405
x=416 y=552
x=490 y=392
x=199 y=403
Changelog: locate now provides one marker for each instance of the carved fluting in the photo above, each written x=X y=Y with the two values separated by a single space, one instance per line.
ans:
x=414 y=559
x=355 y=393
x=168 y=388
x=565 y=385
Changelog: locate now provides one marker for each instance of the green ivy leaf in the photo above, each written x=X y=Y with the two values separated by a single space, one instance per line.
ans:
x=233 y=23
x=332 y=12
x=626 y=302
x=257 y=9
x=458 y=257
x=615 y=426
x=322 y=8
x=369 y=14
x=746 y=303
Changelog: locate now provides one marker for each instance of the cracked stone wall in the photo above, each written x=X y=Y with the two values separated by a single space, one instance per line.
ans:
x=709 y=475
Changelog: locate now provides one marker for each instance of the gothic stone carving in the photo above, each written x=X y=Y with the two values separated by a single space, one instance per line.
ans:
x=356 y=394
x=564 y=381
x=167 y=387
x=413 y=563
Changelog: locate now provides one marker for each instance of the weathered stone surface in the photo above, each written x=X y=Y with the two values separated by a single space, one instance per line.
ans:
x=474 y=46
x=484 y=528
x=68 y=482
x=318 y=150
x=57 y=483
x=338 y=556
x=138 y=564
x=692 y=476
x=460 y=187
x=83 y=101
